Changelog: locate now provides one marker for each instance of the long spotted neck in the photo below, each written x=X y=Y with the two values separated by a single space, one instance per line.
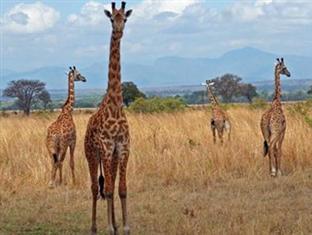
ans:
x=277 y=95
x=212 y=98
x=68 y=106
x=114 y=92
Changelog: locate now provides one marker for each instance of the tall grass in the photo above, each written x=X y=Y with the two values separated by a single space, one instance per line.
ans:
x=174 y=147
x=179 y=182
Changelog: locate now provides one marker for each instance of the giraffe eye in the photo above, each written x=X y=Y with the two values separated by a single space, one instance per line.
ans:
x=111 y=20
x=125 y=20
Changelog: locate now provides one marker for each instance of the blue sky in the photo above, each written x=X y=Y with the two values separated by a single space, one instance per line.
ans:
x=61 y=33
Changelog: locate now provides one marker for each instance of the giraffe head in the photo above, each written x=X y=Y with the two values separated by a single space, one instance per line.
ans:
x=74 y=73
x=281 y=68
x=118 y=17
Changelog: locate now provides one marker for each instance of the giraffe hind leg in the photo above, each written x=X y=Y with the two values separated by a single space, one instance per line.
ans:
x=265 y=148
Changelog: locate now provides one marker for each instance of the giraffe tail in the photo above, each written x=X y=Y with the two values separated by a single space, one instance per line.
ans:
x=265 y=148
x=101 y=181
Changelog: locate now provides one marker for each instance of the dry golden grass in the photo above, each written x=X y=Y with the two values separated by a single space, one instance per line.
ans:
x=179 y=181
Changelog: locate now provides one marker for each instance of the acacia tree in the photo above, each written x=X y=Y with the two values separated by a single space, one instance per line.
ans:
x=45 y=98
x=310 y=91
x=227 y=86
x=27 y=92
x=248 y=90
x=130 y=92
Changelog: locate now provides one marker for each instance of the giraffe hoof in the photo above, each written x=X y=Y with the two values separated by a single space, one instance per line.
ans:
x=111 y=231
x=93 y=231
x=126 y=230
x=279 y=173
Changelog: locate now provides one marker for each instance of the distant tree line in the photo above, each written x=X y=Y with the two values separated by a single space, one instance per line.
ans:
x=32 y=94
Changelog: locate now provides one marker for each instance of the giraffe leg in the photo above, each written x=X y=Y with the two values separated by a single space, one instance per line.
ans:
x=279 y=155
x=108 y=190
x=72 y=162
x=220 y=134
x=213 y=129
x=123 y=189
x=114 y=174
x=272 y=157
x=53 y=173
x=93 y=168
x=60 y=165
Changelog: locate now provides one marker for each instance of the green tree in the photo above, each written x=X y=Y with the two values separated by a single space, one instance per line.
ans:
x=227 y=86
x=310 y=91
x=248 y=90
x=45 y=98
x=27 y=92
x=130 y=92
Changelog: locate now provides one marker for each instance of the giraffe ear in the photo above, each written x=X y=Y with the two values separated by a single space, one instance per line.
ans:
x=74 y=68
x=128 y=13
x=278 y=60
x=70 y=68
x=107 y=13
x=282 y=59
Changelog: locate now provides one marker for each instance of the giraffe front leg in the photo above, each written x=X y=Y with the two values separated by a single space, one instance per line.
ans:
x=108 y=190
x=123 y=190
x=114 y=174
x=94 y=189
x=93 y=170
x=220 y=134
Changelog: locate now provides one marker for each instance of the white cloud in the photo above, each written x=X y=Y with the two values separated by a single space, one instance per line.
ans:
x=92 y=13
x=29 y=18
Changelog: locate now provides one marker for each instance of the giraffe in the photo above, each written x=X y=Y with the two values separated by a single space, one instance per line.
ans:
x=273 y=123
x=62 y=132
x=107 y=140
x=220 y=121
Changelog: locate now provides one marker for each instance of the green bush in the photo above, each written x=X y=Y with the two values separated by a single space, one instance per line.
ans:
x=157 y=105
x=304 y=109
x=258 y=103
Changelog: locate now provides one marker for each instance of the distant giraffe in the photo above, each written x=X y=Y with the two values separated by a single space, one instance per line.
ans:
x=220 y=121
x=107 y=138
x=273 y=123
x=62 y=132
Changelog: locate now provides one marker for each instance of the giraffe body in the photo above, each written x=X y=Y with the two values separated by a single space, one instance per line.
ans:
x=220 y=121
x=273 y=124
x=107 y=138
x=62 y=133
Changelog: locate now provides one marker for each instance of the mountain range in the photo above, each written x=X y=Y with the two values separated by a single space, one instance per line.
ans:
x=252 y=64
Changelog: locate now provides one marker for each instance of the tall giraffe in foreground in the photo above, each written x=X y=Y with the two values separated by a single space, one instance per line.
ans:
x=107 y=140
x=273 y=123
x=220 y=121
x=62 y=132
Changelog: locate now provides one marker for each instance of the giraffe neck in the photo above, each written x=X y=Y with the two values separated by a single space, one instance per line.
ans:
x=68 y=106
x=212 y=98
x=114 y=92
x=277 y=95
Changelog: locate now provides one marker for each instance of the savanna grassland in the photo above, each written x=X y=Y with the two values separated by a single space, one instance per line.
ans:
x=179 y=182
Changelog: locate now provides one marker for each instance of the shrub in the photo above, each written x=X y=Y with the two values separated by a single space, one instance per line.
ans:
x=258 y=103
x=156 y=105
